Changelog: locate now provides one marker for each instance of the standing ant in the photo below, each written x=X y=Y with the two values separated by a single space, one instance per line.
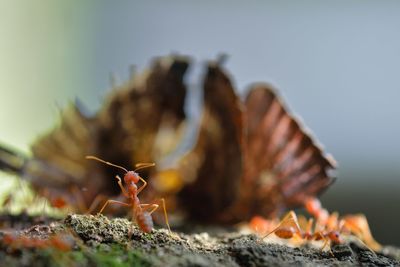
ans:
x=140 y=211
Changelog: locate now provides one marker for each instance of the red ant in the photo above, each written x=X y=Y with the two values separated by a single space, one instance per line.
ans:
x=289 y=227
x=58 y=241
x=355 y=224
x=140 y=213
x=329 y=226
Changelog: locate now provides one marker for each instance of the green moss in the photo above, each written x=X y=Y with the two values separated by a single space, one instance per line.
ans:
x=102 y=255
x=117 y=255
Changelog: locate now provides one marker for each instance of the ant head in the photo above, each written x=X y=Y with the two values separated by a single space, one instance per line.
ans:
x=335 y=237
x=131 y=177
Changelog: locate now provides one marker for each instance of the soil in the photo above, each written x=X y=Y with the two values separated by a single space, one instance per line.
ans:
x=87 y=240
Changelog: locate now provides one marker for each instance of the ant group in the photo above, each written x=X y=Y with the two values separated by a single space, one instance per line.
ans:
x=290 y=227
x=355 y=224
x=141 y=212
x=327 y=228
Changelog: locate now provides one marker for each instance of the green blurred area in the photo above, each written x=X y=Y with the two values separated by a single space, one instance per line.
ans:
x=45 y=62
x=45 y=57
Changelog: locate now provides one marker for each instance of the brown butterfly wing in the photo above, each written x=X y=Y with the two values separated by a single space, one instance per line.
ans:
x=212 y=170
x=58 y=165
x=284 y=165
x=132 y=117
x=257 y=161
x=123 y=131
x=57 y=156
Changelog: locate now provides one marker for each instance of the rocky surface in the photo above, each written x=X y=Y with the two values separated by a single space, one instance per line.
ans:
x=86 y=240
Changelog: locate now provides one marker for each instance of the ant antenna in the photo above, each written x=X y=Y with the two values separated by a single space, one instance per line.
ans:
x=106 y=162
x=143 y=165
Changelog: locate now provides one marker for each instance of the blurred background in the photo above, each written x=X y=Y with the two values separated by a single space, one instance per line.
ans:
x=336 y=64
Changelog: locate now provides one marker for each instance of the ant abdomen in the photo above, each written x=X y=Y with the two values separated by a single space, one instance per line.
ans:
x=144 y=221
x=284 y=233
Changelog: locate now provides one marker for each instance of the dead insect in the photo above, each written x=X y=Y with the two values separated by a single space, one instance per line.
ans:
x=139 y=211
x=250 y=158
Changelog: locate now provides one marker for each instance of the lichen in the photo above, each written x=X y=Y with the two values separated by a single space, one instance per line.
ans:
x=99 y=228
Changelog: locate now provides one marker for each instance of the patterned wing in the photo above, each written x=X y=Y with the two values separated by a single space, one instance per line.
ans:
x=213 y=168
x=132 y=117
x=284 y=165
x=123 y=131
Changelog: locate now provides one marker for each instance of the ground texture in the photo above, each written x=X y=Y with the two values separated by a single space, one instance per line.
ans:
x=86 y=240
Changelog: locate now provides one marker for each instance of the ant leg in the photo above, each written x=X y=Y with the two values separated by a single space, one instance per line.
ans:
x=156 y=206
x=114 y=202
x=323 y=238
x=289 y=225
x=309 y=226
x=139 y=166
x=95 y=203
x=332 y=223
x=142 y=187
x=326 y=240
x=121 y=186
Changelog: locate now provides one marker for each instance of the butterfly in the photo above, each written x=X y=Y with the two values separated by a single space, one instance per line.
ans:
x=251 y=157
